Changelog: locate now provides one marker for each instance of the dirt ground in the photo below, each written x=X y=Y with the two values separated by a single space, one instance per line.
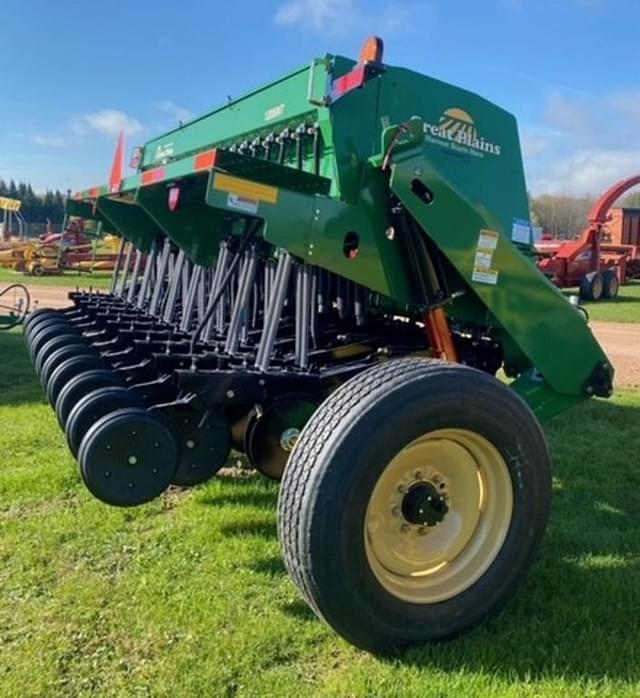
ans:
x=46 y=296
x=621 y=341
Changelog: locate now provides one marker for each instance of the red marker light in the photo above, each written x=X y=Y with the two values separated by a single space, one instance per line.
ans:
x=351 y=81
x=174 y=198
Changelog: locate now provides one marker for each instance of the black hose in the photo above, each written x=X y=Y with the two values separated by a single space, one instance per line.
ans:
x=252 y=229
x=23 y=311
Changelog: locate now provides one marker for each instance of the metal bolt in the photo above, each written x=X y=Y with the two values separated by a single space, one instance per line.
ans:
x=423 y=530
x=155 y=471
x=418 y=474
x=402 y=489
x=395 y=511
x=156 y=445
x=131 y=485
x=230 y=394
x=134 y=433
x=590 y=390
x=132 y=460
x=108 y=447
x=390 y=233
x=404 y=528
x=191 y=443
x=107 y=474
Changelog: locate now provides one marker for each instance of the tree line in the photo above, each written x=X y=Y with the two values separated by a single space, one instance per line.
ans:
x=567 y=216
x=36 y=208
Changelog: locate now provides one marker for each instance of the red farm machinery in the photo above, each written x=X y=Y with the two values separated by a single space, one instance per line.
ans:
x=604 y=256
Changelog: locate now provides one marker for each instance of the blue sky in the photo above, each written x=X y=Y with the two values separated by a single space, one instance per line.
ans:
x=74 y=73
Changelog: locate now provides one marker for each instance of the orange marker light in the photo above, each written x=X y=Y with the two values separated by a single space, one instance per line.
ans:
x=372 y=50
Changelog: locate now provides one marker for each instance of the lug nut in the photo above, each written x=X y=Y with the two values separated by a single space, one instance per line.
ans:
x=404 y=528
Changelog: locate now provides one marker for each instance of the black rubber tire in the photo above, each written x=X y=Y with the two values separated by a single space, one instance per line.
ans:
x=104 y=448
x=611 y=284
x=82 y=385
x=210 y=435
x=93 y=407
x=69 y=369
x=38 y=316
x=41 y=327
x=42 y=338
x=52 y=362
x=592 y=287
x=51 y=346
x=337 y=460
x=41 y=318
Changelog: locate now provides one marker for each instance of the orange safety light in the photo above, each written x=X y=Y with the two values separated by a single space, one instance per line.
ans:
x=372 y=50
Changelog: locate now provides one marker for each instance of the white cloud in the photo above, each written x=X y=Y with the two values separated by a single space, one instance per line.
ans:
x=588 y=172
x=343 y=17
x=534 y=143
x=53 y=140
x=108 y=121
x=327 y=16
x=582 y=145
x=175 y=111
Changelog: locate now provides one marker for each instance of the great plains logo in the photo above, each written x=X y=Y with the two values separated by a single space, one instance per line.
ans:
x=457 y=130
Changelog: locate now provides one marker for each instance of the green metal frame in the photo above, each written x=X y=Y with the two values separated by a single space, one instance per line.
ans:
x=460 y=148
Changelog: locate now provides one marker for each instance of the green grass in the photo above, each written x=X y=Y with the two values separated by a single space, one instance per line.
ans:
x=188 y=596
x=625 y=308
x=69 y=279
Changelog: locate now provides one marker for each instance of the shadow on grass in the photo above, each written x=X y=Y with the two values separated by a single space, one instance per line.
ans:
x=261 y=529
x=19 y=384
x=243 y=497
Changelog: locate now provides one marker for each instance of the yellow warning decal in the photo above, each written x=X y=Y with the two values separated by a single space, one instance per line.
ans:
x=245 y=189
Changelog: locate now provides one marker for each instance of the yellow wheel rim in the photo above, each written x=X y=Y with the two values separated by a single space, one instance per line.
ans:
x=438 y=516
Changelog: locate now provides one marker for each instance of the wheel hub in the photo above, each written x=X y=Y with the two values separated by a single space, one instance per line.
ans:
x=423 y=505
x=438 y=515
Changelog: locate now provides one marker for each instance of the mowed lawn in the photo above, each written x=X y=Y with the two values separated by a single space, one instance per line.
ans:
x=187 y=596
x=625 y=308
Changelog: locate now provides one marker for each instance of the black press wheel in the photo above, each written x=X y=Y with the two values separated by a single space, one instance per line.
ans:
x=611 y=284
x=37 y=316
x=414 y=502
x=82 y=385
x=68 y=369
x=204 y=443
x=43 y=338
x=95 y=405
x=592 y=287
x=31 y=337
x=69 y=351
x=52 y=346
x=128 y=457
